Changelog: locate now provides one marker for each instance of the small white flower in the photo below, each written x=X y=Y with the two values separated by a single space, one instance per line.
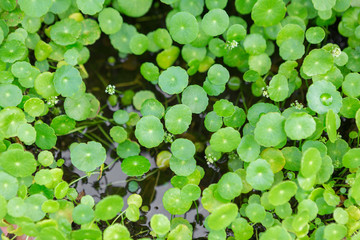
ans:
x=297 y=105
x=265 y=92
x=52 y=101
x=110 y=89
x=230 y=45
x=336 y=51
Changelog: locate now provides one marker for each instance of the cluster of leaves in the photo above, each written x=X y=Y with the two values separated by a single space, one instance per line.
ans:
x=290 y=172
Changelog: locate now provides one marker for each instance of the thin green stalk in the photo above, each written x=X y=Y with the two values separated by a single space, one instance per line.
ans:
x=94 y=137
x=178 y=98
x=197 y=212
x=85 y=176
x=117 y=217
x=243 y=101
x=105 y=134
x=153 y=192
x=104 y=82
x=135 y=179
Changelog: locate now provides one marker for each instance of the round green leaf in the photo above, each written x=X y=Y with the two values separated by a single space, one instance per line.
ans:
x=108 y=207
x=11 y=95
x=135 y=165
x=110 y=20
x=18 y=163
x=269 y=130
x=230 y=186
x=268 y=12
x=135 y=8
x=299 y=126
x=160 y=224
x=259 y=174
x=8 y=185
x=282 y=193
x=183 y=27
x=88 y=156
x=90 y=7
x=310 y=162
x=35 y=8
x=173 y=80
x=318 y=61
x=225 y=140
x=67 y=80
x=82 y=214
x=322 y=96
x=222 y=216
x=215 y=22
x=178 y=119
x=195 y=98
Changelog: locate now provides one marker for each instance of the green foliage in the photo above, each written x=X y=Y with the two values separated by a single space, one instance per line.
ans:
x=250 y=115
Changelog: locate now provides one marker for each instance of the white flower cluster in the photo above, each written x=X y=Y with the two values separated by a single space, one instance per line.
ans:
x=52 y=101
x=265 y=92
x=230 y=45
x=110 y=89
x=210 y=158
x=169 y=138
x=297 y=105
x=336 y=51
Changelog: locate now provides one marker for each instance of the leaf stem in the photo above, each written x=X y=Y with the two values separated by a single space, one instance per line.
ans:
x=85 y=176
x=117 y=217
x=156 y=182
x=105 y=134
x=178 y=98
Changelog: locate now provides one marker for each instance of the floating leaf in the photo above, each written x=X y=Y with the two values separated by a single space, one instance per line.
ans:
x=225 y=140
x=18 y=163
x=8 y=184
x=178 y=119
x=310 y=162
x=215 y=22
x=322 y=96
x=149 y=131
x=173 y=80
x=183 y=27
x=108 y=207
x=230 y=186
x=248 y=148
x=11 y=95
x=183 y=148
x=318 y=61
x=45 y=136
x=135 y=8
x=88 y=156
x=65 y=32
x=110 y=20
x=175 y=203
x=195 y=98
x=160 y=224
x=269 y=130
x=116 y=231
x=35 y=8
x=82 y=214
x=282 y=193
x=135 y=165
x=299 y=126
x=259 y=174
x=182 y=167
x=222 y=216
x=351 y=86
x=268 y=12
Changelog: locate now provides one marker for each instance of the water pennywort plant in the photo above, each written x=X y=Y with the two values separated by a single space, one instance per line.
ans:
x=221 y=119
